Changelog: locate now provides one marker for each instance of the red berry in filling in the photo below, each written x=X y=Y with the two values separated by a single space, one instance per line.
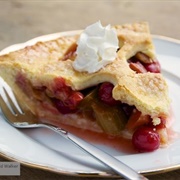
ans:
x=62 y=106
x=105 y=93
x=65 y=99
x=153 y=67
x=60 y=89
x=70 y=104
x=146 y=139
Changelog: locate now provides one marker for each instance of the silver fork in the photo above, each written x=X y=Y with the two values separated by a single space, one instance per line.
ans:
x=16 y=117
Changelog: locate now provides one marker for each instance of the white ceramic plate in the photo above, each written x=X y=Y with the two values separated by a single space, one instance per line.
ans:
x=44 y=149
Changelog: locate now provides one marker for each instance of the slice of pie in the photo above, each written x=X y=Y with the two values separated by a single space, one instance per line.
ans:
x=127 y=96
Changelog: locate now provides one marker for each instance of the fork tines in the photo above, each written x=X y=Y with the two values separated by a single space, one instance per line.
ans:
x=7 y=96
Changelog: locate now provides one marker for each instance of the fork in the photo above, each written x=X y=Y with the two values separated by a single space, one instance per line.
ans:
x=15 y=116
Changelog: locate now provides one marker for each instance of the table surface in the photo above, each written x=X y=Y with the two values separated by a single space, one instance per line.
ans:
x=24 y=20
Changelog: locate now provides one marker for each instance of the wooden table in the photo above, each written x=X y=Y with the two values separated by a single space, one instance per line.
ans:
x=23 y=20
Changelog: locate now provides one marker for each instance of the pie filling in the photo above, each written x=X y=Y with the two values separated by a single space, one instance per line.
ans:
x=97 y=105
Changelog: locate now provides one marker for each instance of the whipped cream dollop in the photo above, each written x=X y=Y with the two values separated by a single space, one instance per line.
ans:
x=97 y=47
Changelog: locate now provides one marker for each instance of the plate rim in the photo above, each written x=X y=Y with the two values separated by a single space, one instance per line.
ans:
x=70 y=173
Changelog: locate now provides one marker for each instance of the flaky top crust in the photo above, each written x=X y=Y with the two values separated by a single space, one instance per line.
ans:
x=43 y=62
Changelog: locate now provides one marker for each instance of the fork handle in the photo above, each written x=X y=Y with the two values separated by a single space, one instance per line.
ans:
x=116 y=165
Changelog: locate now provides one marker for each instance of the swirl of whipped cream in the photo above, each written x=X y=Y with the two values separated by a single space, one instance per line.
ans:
x=97 y=47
